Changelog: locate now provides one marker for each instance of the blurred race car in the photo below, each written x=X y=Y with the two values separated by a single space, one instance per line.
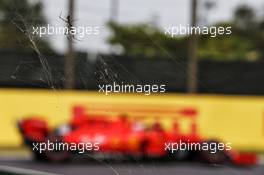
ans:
x=96 y=135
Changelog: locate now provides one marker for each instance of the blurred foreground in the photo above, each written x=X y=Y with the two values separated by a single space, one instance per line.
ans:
x=79 y=166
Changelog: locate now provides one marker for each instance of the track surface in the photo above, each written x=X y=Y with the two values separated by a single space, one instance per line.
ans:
x=137 y=168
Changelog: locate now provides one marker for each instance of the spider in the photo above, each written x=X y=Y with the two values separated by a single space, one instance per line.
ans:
x=70 y=27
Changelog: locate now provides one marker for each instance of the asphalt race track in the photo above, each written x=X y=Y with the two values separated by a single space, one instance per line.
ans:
x=135 y=168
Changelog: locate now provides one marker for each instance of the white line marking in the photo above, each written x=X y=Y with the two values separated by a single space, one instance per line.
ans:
x=10 y=169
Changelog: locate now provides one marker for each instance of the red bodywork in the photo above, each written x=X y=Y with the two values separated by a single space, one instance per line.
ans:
x=122 y=136
x=34 y=129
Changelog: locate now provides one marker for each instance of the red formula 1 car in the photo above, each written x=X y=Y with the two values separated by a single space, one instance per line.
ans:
x=98 y=135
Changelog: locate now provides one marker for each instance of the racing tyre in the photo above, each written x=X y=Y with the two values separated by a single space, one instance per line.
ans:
x=56 y=154
x=219 y=157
